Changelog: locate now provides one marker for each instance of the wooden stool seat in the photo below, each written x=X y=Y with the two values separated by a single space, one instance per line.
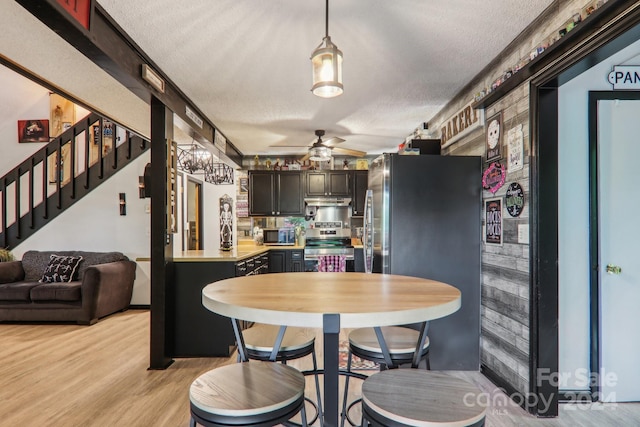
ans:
x=401 y=341
x=261 y=337
x=246 y=394
x=410 y=397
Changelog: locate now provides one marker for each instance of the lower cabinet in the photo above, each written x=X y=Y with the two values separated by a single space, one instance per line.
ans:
x=198 y=332
x=286 y=260
x=358 y=260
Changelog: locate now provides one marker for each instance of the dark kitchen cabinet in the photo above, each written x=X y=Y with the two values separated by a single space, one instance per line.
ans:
x=360 y=184
x=286 y=260
x=190 y=317
x=328 y=183
x=275 y=193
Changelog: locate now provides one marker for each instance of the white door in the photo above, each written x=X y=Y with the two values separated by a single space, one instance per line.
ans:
x=619 y=235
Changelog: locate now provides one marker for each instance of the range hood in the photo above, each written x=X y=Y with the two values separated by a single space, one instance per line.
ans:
x=327 y=201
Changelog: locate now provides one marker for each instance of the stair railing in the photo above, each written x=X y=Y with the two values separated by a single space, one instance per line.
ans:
x=53 y=178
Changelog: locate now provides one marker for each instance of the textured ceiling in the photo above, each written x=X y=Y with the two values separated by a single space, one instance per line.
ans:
x=245 y=64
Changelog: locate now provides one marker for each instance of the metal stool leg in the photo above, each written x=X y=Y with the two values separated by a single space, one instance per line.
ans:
x=318 y=394
x=303 y=414
x=343 y=415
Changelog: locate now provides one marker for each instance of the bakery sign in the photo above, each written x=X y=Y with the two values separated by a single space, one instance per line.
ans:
x=461 y=124
x=625 y=77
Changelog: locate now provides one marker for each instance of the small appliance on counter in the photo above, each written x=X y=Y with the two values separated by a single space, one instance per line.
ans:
x=282 y=236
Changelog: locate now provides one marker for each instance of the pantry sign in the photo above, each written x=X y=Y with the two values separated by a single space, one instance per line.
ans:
x=625 y=77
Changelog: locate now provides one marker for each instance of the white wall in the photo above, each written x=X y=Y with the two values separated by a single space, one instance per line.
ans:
x=573 y=210
x=20 y=99
x=211 y=194
x=94 y=222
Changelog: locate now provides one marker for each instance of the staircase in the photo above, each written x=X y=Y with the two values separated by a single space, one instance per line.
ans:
x=61 y=173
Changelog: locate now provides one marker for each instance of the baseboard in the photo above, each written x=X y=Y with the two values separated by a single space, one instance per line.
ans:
x=140 y=307
x=508 y=389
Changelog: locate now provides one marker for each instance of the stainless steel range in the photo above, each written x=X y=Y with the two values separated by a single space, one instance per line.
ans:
x=328 y=238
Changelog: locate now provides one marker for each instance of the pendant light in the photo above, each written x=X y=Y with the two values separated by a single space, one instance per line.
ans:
x=326 y=61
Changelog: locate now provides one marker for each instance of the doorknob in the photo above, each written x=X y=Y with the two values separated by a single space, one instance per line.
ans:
x=613 y=269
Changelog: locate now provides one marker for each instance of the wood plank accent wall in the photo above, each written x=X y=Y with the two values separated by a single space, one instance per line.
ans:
x=505 y=350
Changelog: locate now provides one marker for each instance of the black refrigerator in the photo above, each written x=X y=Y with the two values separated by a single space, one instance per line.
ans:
x=423 y=219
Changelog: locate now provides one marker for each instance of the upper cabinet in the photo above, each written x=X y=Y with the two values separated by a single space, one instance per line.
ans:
x=359 y=192
x=275 y=193
x=328 y=183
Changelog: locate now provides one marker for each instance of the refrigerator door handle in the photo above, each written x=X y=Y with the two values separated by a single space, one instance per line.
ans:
x=367 y=232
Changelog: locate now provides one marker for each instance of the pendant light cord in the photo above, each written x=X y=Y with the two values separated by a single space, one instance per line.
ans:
x=326 y=22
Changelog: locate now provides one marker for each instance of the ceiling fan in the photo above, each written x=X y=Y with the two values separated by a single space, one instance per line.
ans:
x=322 y=150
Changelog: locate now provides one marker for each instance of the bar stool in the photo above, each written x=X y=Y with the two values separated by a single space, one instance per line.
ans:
x=401 y=347
x=408 y=397
x=247 y=394
x=295 y=343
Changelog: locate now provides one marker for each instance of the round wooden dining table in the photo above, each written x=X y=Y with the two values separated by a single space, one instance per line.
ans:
x=331 y=301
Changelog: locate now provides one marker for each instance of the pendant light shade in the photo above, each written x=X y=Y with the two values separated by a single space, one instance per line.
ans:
x=326 y=61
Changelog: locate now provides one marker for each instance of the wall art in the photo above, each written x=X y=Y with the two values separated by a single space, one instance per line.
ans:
x=515 y=149
x=493 y=221
x=514 y=199
x=226 y=223
x=493 y=137
x=493 y=177
x=35 y=130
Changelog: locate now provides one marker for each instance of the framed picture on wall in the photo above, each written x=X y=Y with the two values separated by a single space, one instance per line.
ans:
x=493 y=221
x=493 y=137
x=244 y=185
x=34 y=130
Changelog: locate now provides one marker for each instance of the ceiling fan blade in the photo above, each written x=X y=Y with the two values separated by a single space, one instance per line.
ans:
x=285 y=145
x=330 y=142
x=306 y=157
x=348 y=152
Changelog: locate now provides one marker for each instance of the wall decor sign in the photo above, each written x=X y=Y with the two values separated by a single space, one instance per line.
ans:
x=460 y=124
x=35 y=130
x=220 y=141
x=493 y=221
x=226 y=223
x=80 y=10
x=514 y=199
x=242 y=207
x=193 y=116
x=493 y=177
x=244 y=185
x=625 y=77
x=493 y=137
x=515 y=149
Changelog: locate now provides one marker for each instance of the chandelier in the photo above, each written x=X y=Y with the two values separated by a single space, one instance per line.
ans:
x=326 y=61
x=193 y=159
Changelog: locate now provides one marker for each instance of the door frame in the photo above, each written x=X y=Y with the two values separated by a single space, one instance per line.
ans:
x=583 y=53
x=594 y=231
x=198 y=201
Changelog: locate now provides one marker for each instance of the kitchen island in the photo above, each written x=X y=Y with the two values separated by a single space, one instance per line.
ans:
x=193 y=330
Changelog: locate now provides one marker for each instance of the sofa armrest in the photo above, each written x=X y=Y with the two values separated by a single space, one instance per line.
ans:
x=107 y=288
x=11 y=271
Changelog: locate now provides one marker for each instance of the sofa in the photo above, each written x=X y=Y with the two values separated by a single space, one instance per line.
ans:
x=65 y=286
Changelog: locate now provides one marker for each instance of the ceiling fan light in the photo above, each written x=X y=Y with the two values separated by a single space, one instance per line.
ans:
x=320 y=153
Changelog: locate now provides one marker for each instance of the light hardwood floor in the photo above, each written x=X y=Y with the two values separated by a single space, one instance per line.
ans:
x=69 y=375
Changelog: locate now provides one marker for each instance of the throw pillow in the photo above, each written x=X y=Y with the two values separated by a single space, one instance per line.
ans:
x=61 y=269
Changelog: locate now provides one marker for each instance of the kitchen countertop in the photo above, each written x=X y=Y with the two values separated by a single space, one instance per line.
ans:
x=238 y=253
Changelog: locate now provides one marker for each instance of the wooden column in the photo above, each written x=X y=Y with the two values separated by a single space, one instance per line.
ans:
x=161 y=237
